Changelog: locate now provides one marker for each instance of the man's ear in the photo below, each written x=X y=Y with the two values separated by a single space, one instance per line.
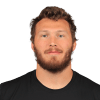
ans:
x=74 y=45
x=32 y=46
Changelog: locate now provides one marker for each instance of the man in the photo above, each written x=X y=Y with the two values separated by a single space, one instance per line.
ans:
x=53 y=42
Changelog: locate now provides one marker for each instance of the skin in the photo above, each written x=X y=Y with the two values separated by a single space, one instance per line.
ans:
x=53 y=70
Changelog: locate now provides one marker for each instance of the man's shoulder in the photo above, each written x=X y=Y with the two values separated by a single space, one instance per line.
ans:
x=83 y=78
x=85 y=81
x=9 y=87
x=14 y=82
x=86 y=86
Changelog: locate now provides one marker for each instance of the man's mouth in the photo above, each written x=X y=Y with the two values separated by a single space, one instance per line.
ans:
x=54 y=52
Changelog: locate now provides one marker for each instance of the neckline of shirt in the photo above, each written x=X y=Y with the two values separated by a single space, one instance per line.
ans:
x=40 y=87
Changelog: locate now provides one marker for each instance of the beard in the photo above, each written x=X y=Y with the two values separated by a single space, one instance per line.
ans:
x=52 y=65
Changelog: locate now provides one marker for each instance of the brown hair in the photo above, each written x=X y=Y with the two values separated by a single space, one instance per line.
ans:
x=53 y=13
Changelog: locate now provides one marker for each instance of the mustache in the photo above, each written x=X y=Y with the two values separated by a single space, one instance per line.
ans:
x=56 y=49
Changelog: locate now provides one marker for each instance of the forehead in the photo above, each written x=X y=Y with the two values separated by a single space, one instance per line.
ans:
x=46 y=23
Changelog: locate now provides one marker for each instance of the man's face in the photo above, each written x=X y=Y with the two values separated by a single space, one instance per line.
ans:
x=51 y=36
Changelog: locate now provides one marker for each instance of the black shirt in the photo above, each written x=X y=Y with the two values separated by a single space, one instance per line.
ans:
x=28 y=87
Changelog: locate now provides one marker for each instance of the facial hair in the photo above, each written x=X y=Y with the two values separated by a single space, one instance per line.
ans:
x=53 y=65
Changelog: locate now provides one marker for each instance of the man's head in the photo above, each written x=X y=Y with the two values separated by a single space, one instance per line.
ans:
x=52 y=23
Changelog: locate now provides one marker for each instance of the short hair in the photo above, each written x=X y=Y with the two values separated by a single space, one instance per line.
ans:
x=54 y=13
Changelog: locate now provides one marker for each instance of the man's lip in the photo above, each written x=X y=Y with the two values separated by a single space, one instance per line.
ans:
x=53 y=52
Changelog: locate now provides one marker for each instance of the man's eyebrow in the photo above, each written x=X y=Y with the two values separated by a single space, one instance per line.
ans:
x=55 y=31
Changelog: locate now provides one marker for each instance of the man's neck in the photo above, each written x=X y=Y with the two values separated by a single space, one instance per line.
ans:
x=54 y=81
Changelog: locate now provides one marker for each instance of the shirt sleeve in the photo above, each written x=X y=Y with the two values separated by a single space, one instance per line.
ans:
x=97 y=92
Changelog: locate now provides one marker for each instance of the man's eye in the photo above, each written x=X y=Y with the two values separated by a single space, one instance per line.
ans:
x=43 y=35
x=59 y=35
